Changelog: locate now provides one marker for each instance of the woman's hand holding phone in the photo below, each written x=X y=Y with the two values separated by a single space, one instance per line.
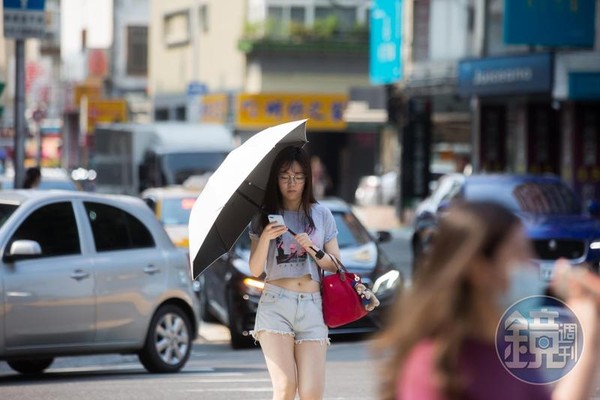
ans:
x=275 y=228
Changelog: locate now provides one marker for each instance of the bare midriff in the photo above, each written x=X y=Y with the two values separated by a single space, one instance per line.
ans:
x=301 y=284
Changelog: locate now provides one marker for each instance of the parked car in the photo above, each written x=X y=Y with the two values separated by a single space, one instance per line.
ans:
x=550 y=211
x=229 y=293
x=373 y=189
x=52 y=178
x=172 y=206
x=82 y=273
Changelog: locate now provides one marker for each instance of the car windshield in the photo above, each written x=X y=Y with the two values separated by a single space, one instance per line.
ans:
x=184 y=165
x=6 y=211
x=529 y=197
x=176 y=211
x=351 y=232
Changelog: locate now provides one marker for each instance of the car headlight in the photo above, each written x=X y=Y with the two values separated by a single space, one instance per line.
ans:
x=386 y=282
x=253 y=287
x=595 y=244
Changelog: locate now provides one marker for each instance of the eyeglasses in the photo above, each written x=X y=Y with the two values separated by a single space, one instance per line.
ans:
x=285 y=178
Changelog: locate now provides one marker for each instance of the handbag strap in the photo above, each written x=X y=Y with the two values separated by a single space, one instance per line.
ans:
x=341 y=268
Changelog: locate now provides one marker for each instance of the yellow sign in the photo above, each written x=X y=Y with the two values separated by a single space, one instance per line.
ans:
x=324 y=111
x=105 y=110
x=91 y=90
x=215 y=108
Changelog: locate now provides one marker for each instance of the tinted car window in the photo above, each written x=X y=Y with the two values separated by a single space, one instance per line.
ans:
x=115 y=229
x=54 y=227
x=6 y=211
x=530 y=197
x=351 y=232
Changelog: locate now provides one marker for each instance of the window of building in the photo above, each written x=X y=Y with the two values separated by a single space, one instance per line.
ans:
x=177 y=28
x=276 y=25
x=137 y=50
x=55 y=229
x=180 y=114
x=161 y=114
x=298 y=15
x=346 y=17
x=115 y=229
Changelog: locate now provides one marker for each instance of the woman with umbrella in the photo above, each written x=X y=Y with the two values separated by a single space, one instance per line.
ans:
x=289 y=320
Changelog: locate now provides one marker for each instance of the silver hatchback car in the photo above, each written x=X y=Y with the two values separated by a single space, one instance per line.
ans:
x=85 y=274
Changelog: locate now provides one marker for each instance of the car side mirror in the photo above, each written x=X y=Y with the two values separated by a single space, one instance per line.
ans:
x=594 y=208
x=383 y=236
x=23 y=249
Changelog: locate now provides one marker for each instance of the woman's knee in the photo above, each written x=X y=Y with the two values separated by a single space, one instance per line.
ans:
x=284 y=388
x=312 y=392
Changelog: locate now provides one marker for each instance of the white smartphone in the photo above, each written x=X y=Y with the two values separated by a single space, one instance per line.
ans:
x=276 y=218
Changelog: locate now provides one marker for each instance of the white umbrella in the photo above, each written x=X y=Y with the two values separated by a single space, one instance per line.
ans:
x=234 y=193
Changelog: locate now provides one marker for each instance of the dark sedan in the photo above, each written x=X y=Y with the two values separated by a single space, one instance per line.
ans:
x=551 y=213
x=229 y=294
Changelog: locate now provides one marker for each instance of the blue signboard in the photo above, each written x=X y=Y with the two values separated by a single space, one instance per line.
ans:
x=196 y=88
x=386 y=42
x=584 y=85
x=24 y=19
x=505 y=75
x=550 y=22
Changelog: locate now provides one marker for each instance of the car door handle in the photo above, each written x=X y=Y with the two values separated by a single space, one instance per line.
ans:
x=151 y=269
x=79 y=274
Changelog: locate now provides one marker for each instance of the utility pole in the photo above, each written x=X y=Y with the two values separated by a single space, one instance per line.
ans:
x=481 y=39
x=19 y=151
x=22 y=19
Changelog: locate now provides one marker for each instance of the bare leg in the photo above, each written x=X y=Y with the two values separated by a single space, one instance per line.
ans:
x=278 y=350
x=310 y=360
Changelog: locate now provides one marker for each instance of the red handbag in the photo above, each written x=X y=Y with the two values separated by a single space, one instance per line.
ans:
x=341 y=302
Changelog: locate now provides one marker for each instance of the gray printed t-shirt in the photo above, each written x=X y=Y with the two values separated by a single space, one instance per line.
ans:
x=286 y=258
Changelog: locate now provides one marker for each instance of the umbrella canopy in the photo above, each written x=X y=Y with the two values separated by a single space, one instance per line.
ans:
x=234 y=193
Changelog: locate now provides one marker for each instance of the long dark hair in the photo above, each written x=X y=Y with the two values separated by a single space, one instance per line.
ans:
x=273 y=202
x=440 y=306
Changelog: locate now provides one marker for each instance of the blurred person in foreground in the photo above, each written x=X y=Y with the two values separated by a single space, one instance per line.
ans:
x=33 y=178
x=440 y=342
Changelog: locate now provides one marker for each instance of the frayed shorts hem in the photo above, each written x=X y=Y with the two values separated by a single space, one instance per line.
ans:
x=255 y=335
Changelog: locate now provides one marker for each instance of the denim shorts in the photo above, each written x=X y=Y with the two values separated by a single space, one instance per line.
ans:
x=286 y=312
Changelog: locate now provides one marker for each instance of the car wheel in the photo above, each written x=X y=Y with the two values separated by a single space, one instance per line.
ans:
x=168 y=341
x=236 y=330
x=30 y=367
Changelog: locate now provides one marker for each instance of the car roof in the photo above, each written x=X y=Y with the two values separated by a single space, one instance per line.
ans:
x=511 y=178
x=23 y=195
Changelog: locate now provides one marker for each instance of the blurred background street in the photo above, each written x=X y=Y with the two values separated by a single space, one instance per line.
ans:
x=412 y=106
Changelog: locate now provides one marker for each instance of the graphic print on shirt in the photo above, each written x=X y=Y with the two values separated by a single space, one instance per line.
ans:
x=289 y=252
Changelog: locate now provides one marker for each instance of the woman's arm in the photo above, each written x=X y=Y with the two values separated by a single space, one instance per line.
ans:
x=330 y=247
x=259 y=248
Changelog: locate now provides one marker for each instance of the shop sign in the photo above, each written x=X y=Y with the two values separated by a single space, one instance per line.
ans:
x=550 y=23
x=505 y=75
x=584 y=85
x=385 y=60
x=105 y=110
x=259 y=111
x=214 y=108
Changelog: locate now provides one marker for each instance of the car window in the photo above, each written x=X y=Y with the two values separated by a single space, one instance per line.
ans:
x=6 y=210
x=350 y=232
x=55 y=229
x=176 y=211
x=115 y=229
